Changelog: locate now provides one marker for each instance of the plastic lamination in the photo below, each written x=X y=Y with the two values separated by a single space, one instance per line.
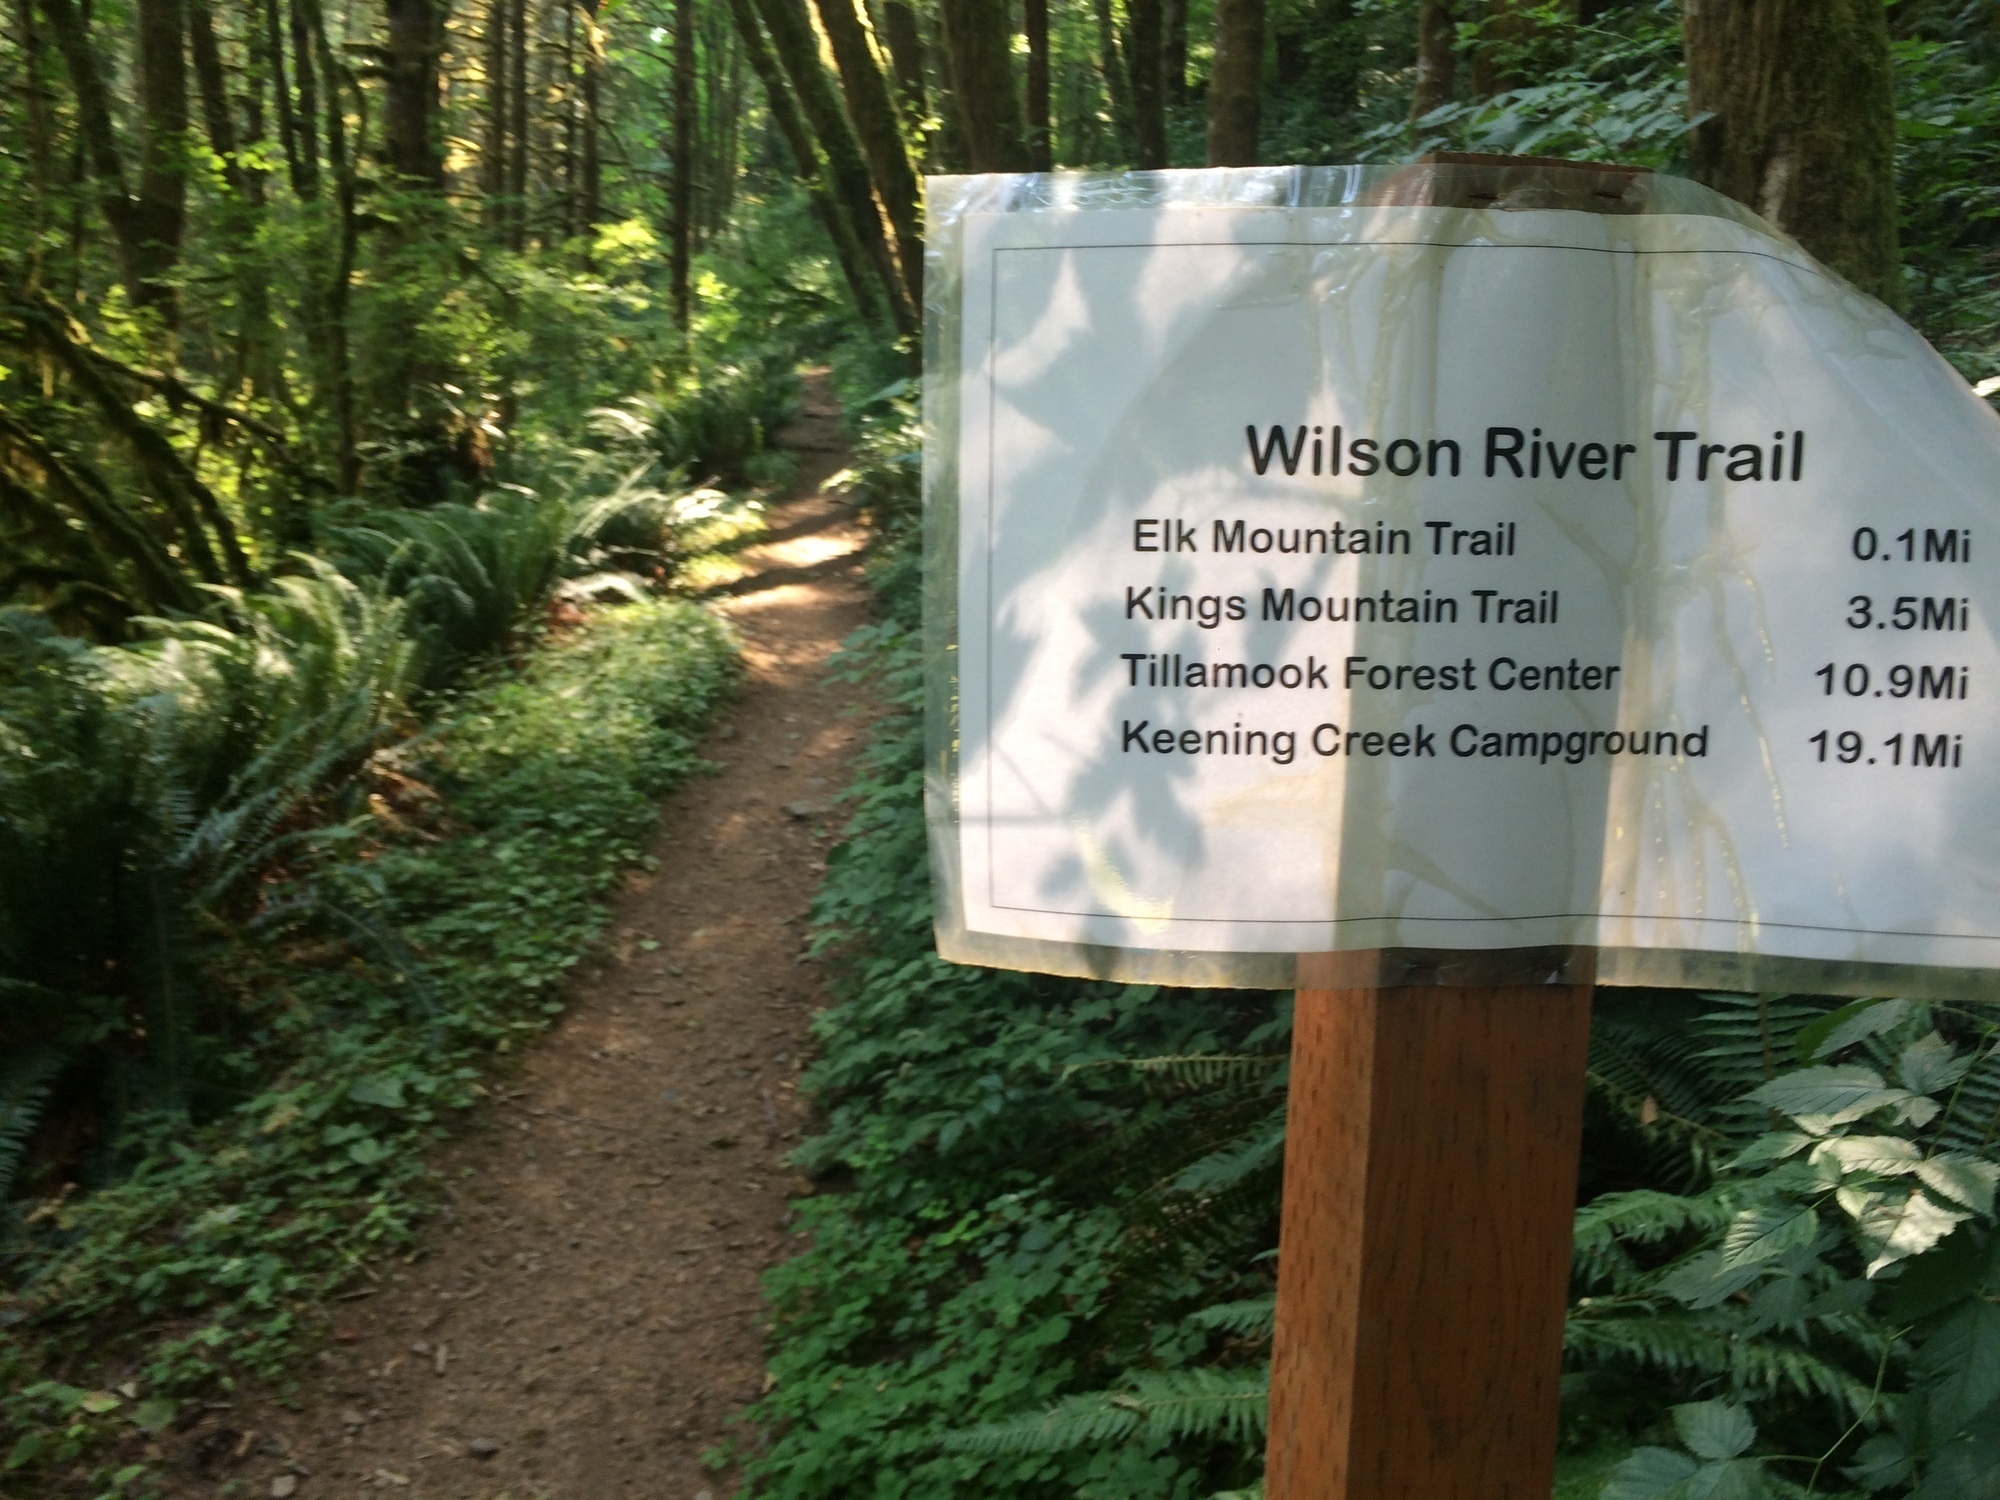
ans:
x=1454 y=202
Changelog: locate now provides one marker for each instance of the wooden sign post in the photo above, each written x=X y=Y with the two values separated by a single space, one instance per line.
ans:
x=1423 y=1266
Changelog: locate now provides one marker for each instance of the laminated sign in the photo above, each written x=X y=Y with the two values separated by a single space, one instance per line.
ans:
x=1445 y=558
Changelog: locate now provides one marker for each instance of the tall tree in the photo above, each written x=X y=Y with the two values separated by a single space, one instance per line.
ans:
x=1041 y=140
x=161 y=206
x=590 y=166
x=142 y=261
x=874 y=117
x=305 y=117
x=906 y=52
x=1802 y=123
x=517 y=126
x=1507 y=31
x=493 y=147
x=797 y=46
x=1437 y=57
x=1174 y=52
x=682 y=218
x=980 y=46
x=1117 y=81
x=410 y=94
x=1149 y=120
x=848 y=252
x=1236 y=84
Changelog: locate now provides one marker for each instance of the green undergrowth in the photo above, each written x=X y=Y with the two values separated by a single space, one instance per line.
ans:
x=386 y=972
x=997 y=1172
x=1040 y=1256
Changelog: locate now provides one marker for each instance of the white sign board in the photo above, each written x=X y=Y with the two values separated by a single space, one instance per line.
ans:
x=1406 y=577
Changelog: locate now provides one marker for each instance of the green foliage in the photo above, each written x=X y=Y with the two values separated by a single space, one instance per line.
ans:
x=400 y=952
x=1831 y=1273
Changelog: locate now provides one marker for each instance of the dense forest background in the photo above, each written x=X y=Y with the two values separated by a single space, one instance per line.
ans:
x=346 y=349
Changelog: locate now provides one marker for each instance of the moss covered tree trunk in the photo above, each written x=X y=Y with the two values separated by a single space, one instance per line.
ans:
x=797 y=47
x=980 y=46
x=681 y=211
x=874 y=115
x=854 y=265
x=1236 y=83
x=1804 y=123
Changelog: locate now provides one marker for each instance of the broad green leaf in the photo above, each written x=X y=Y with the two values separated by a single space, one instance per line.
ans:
x=1898 y=1225
x=368 y=1151
x=1883 y=1155
x=1961 y=1363
x=1821 y=1098
x=99 y=1402
x=1880 y=1462
x=1930 y=1066
x=1774 y=1145
x=1649 y=1474
x=1760 y=1234
x=153 y=1414
x=1715 y=1429
x=384 y=1089
x=1962 y=1178
x=1968 y=1469
x=1707 y=1280
x=1850 y=1024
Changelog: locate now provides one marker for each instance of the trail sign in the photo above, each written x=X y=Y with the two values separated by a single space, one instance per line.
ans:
x=1331 y=566
x=1438 y=589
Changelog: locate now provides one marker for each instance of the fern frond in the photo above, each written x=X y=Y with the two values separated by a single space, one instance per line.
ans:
x=1229 y=1406
x=1198 y=1070
x=1251 y=1319
x=1677 y=1344
x=24 y=1092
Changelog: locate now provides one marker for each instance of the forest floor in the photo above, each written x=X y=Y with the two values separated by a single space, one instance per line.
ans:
x=581 y=1319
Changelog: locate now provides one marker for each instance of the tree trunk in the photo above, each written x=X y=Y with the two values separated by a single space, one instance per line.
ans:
x=161 y=207
x=305 y=64
x=949 y=152
x=237 y=219
x=97 y=142
x=906 y=53
x=798 y=50
x=1149 y=119
x=410 y=94
x=874 y=118
x=566 y=195
x=1437 y=58
x=340 y=163
x=517 y=103
x=1117 y=82
x=1173 y=52
x=1041 y=143
x=1804 y=124
x=493 y=150
x=1235 y=83
x=1505 y=34
x=590 y=186
x=41 y=159
x=980 y=46
x=853 y=260
x=682 y=226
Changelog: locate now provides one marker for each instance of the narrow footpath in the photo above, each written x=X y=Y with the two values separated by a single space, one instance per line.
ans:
x=582 y=1320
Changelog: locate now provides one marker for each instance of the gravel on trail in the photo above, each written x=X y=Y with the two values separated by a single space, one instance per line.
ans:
x=582 y=1319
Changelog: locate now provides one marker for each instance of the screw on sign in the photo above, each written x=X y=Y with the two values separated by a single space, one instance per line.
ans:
x=1438 y=590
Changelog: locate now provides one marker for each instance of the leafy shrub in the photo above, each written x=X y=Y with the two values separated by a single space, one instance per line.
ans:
x=390 y=967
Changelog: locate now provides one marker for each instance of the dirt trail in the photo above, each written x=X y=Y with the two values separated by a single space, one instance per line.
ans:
x=582 y=1320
